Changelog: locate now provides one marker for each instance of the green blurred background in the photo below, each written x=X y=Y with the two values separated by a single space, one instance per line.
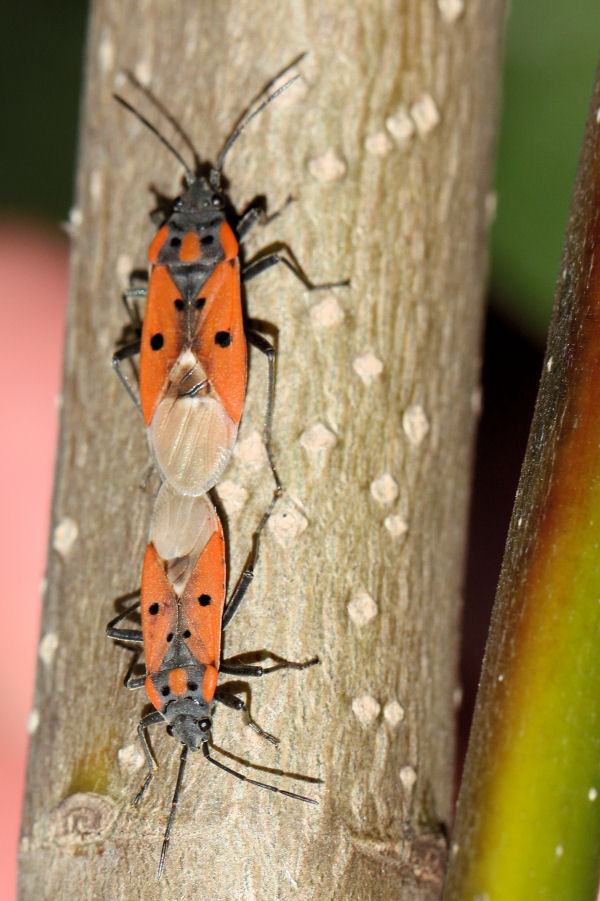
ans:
x=40 y=83
x=552 y=52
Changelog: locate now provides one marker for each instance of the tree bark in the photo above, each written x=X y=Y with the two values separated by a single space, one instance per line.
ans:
x=386 y=145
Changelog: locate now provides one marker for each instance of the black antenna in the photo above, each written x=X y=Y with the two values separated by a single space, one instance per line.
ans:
x=222 y=766
x=243 y=125
x=162 y=109
x=189 y=175
x=272 y=788
x=167 y=838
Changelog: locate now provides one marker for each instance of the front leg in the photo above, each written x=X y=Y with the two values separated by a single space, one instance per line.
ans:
x=257 y=212
x=151 y=719
x=231 y=668
x=283 y=254
x=234 y=703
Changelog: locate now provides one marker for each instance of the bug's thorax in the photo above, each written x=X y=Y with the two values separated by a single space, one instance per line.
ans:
x=183 y=689
x=195 y=238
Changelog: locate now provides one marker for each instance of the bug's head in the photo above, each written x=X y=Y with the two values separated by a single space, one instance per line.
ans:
x=190 y=731
x=199 y=210
x=202 y=199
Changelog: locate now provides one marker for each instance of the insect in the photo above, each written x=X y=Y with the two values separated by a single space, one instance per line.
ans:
x=193 y=343
x=183 y=617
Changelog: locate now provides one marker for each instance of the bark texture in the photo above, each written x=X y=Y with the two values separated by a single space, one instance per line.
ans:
x=386 y=146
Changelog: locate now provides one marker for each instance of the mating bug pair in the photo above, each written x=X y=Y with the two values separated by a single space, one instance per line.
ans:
x=192 y=384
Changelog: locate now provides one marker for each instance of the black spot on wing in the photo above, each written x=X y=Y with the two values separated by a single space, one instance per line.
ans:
x=223 y=339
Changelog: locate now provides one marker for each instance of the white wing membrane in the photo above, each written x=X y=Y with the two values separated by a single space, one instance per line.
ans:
x=181 y=528
x=191 y=434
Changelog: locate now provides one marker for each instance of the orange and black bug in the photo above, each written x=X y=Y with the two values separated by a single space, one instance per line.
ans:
x=183 y=614
x=193 y=353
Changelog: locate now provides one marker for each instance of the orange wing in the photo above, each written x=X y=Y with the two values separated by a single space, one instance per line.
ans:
x=159 y=610
x=162 y=338
x=220 y=342
x=203 y=601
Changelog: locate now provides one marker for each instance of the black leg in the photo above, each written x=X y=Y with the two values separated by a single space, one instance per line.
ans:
x=256 y=212
x=151 y=720
x=134 y=635
x=248 y=574
x=248 y=669
x=234 y=703
x=167 y=838
x=124 y=634
x=249 y=218
x=266 y=348
x=130 y=681
x=242 y=586
x=159 y=215
x=124 y=353
x=284 y=255
x=132 y=310
x=243 y=778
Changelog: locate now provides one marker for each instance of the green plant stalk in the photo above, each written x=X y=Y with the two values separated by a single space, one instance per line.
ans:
x=528 y=818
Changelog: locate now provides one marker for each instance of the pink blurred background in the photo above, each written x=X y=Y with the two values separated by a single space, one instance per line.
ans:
x=33 y=275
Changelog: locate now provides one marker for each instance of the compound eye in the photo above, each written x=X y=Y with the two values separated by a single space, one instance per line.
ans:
x=204 y=725
x=169 y=730
x=216 y=200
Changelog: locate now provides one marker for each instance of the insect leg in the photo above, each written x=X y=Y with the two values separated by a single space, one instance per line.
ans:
x=248 y=219
x=268 y=350
x=232 y=668
x=256 y=212
x=135 y=635
x=243 y=778
x=130 y=681
x=243 y=584
x=124 y=634
x=245 y=579
x=234 y=703
x=284 y=255
x=151 y=719
x=132 y=311
x=124 y=353
x=248 y=574
x=167 y=838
